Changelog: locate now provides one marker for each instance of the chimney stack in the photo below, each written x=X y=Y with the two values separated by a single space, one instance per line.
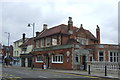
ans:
x=44 y=26
x=98 y=34
x=23 y=37
x=70 y=24
x=37 y=33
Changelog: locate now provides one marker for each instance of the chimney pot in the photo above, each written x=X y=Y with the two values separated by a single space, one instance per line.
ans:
x=81 y=25
x=37 y=33
x=44 y=26
x=23 y=37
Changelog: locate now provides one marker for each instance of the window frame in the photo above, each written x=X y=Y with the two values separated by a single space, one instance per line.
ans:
x=101 y=56
x=48 y=40
x=114 y=56
x=41 y=61
x=53 y=40
x=56 y=58
x=42 y=42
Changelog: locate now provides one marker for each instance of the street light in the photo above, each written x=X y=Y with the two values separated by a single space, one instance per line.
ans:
x=8 y=37
x=33 y=25
x=8 y=42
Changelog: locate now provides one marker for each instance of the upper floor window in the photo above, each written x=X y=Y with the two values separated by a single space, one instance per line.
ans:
x=101 y=56
x=54 y=40
x=42 y=42
x=82 y=41
x=48 y=42
x=37 y=44
x=113 y=56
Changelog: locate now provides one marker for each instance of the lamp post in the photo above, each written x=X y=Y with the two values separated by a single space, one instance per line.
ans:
x=8 y=42
x=33 y=25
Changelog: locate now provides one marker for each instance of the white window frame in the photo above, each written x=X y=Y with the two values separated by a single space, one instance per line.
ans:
x=37 y=44
x=48 y=41
x=103 y=56
x=53 y=40
x=39 y=56
x=57 y=60
x=42 y=43
x=113 y=56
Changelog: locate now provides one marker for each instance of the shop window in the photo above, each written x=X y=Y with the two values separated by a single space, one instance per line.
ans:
x=57 y=59
x=39 y=58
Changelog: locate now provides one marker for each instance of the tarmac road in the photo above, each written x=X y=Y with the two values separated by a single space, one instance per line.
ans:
x=11 y=73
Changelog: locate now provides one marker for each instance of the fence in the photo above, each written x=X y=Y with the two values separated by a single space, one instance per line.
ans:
x=112 y=67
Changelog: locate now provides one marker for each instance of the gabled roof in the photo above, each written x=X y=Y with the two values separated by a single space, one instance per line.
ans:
x=88 y=33
x=27 y=42
x=20 y=40
x=63 y=29
x=54 y=30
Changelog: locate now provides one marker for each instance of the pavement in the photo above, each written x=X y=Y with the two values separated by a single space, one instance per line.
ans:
x=76 y=72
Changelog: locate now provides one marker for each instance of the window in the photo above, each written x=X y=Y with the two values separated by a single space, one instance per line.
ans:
x=101 y=56
x=39 y=58
x=82 y=41
x=76 y=58
x=17 y=53
x=54 y=40
x=91 y=58
x=37 y=44
x=57 y=59
x=42 y=42
x=113 y=56
x=48 y=42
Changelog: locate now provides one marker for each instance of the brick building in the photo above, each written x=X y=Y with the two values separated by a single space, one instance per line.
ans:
x=69 y=47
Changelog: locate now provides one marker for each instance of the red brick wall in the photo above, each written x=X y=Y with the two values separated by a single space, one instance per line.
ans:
x=64 y=65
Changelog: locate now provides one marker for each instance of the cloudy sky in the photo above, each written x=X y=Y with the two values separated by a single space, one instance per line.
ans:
x=16 y=14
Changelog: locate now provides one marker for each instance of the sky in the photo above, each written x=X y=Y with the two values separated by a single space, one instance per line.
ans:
x=16 y=14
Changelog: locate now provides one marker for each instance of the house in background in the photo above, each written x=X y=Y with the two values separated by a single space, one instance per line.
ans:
x=7 y=50
x=17 y=50
x=25 y=56
x=69 y=47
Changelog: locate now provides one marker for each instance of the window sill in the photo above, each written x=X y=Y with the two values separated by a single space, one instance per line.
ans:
x=58 y=62
x=39 y=61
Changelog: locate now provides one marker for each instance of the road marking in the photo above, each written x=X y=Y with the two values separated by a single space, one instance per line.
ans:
x=42 y=77
x=17 y=77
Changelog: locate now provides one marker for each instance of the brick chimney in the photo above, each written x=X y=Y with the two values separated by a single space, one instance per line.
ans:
x=98 y=34
x=70 y=28
x=23 y=37
x=70 y=24
x=44 y=26
x=37 y=33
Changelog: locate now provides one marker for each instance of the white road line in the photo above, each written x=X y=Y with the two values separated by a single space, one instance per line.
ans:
x=42 y=77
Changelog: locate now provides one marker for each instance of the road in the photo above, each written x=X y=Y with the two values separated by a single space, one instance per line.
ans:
x=25 y=73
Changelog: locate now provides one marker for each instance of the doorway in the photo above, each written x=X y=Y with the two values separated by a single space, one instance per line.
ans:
x=47 y=61
x=23 y=62
x=84 y=62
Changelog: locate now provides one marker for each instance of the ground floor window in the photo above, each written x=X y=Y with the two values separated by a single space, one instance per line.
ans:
x=101 y=56
x=113 y=56
x=39 y=58
x=57 y=59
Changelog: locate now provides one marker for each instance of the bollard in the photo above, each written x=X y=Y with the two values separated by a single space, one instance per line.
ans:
x=105 y=70
x=88 y=69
